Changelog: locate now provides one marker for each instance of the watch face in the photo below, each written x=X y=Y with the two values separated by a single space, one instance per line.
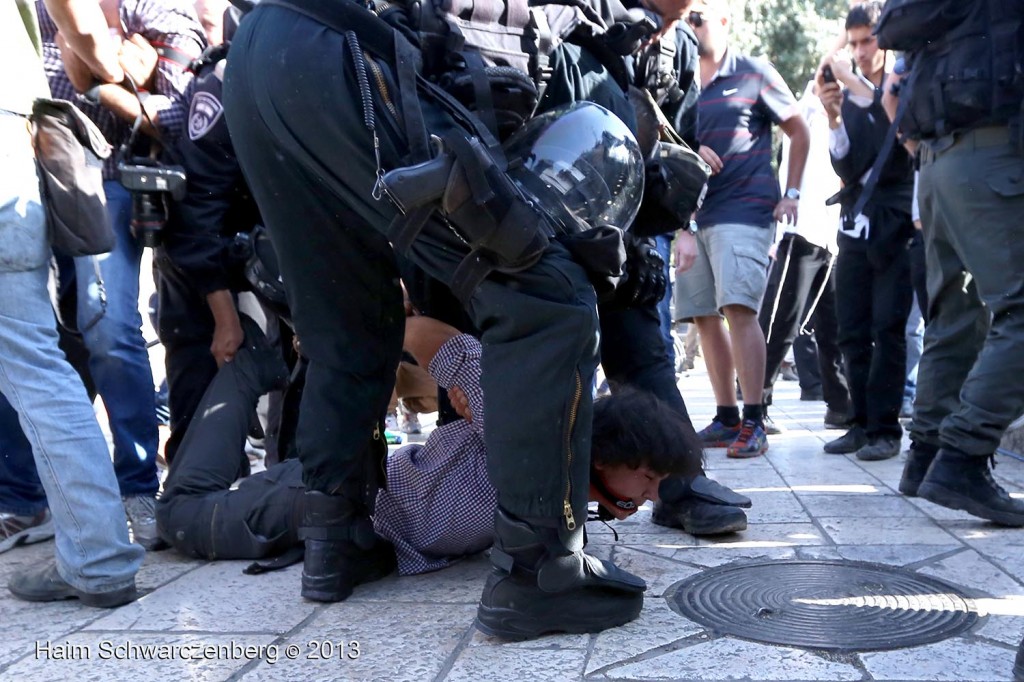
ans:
x=792 y=193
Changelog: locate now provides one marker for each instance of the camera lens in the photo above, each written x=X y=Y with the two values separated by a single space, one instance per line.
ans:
x=149 y=216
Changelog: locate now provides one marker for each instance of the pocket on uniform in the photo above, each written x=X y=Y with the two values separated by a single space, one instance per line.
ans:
x=1007 y=183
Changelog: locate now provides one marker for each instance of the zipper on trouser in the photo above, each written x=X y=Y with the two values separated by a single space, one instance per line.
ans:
x=570 y=520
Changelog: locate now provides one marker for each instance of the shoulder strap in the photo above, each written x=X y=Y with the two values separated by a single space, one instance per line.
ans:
x=880 y=160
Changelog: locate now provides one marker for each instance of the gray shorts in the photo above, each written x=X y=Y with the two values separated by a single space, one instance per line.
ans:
x=731 y=269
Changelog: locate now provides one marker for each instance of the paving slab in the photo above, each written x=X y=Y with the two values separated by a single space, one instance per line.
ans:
x=807 y=505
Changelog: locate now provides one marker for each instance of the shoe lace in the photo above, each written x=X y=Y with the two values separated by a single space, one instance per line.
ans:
x=746 y=431
x=991 y=480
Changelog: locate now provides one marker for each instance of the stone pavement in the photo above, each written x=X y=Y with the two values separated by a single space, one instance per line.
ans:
x=209 y=620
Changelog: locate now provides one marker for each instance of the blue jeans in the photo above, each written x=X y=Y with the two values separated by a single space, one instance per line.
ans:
x=664 y=246
x=118 y=360
x=71 y=455
x=110 y=322
x=915 y=345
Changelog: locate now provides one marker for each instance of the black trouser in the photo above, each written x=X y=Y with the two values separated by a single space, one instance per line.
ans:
x=295 y=111
x=969 y=388
x=197 y=513
x=633 y=352
x=873 y=299
x=801 y=273
x=185 y=327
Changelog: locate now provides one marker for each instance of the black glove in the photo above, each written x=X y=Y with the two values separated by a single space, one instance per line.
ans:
x=643 y=282
x=625 y=38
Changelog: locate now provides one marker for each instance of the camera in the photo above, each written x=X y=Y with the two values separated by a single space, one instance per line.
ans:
x=151 y=184
x=827 y=75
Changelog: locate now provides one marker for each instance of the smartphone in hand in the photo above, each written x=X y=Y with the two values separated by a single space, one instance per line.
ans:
x=827 y=75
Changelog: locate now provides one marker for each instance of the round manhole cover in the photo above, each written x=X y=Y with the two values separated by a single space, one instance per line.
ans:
x=832 y=605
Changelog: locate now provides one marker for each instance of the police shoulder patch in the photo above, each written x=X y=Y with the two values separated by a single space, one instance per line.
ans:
x=203 y=114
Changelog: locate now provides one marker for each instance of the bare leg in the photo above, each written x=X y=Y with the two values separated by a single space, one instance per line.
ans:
x=718 y=356
x=748 y=352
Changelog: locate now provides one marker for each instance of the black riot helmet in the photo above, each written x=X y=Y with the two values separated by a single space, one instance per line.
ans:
x=581 y=164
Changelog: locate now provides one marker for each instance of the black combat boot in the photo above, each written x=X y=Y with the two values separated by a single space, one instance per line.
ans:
x=542 y=582
x=700 y=506
x=959 y=481
x=342 y=550
x=919 y=458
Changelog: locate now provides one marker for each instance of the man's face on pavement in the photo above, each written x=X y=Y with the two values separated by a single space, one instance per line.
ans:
x=639 y=485
x=709 y=20
x=864 y=47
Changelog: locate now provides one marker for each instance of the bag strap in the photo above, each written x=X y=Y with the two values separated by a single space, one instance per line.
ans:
x=881 y=159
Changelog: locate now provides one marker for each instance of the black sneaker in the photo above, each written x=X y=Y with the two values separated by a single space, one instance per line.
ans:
x=959 y=481
x=879 y=448
x=45 y=584
x=849 y=443
x=919 y=458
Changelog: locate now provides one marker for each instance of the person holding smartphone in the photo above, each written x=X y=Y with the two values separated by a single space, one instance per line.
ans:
x=873 y=292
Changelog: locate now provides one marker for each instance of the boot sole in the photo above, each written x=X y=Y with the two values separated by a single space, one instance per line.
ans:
x=338 y=589
x=721 y=528
x=102 y=600
x=515 y=626
x=945 y=497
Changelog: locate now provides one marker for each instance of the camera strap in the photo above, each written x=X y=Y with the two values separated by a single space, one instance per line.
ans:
x=876 y=168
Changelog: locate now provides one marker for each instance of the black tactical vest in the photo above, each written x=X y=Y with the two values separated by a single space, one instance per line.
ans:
x=970 y=75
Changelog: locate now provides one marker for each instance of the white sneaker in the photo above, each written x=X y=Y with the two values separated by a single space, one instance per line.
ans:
x=141 y=512
x=24 y=530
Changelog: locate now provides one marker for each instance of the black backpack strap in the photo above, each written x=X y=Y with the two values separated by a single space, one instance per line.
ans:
x=883 y=156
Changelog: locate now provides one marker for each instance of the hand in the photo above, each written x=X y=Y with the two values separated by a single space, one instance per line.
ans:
x=831 y=97
x=710 y=158
x=77 y=71
x=685 y=247
x=644 y=280
x=786 y=210
x=842 y=66
x=138 y=59
x=460 y=403
x=227 y=338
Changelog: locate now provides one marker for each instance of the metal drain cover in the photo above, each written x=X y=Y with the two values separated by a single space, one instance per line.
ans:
x=840 y=606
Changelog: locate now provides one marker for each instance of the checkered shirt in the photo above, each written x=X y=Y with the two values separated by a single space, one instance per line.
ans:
x=439 y=504
x=170 y=23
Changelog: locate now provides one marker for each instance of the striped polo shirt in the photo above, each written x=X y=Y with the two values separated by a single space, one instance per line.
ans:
x=737 y=110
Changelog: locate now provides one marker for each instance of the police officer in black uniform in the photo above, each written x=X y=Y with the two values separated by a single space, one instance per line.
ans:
x=962 y=100
x=198 y=270
x=323 y=98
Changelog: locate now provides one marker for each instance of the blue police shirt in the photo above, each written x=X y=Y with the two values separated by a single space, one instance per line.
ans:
x=737 y=109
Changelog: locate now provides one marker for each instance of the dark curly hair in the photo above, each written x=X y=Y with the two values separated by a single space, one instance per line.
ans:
x=634 y=428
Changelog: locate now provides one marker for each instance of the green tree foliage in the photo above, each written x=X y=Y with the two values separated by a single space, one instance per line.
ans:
x=792 y=34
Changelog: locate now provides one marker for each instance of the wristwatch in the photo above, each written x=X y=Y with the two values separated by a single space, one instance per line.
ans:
x=793 y=193
x=691 y=227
